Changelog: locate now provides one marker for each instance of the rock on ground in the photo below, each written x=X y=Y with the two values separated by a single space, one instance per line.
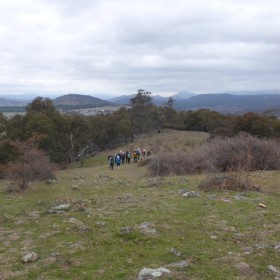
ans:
x=30 y=257
x=149 y=273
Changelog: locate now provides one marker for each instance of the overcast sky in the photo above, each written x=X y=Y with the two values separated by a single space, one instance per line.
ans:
x=119 y=46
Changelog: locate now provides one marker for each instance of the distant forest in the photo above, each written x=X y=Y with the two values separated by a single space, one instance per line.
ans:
x=67 y=138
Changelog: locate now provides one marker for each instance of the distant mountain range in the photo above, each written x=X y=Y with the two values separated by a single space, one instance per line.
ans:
x=226 y=103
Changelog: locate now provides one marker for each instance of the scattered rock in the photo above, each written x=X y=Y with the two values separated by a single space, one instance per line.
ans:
x=48 y=235
x=215 y=237
x=260 y=246
x=64 y=207
x=248 y=250
x=180 y=264
x=35 y=215
x=191 y=194
x=76 y=188
x=79 y=224
x=126 y=230
x=262 y=205
x=225 y=199
x=213 y=197
x=50 y=181
x=241 y=197
x=125 y=197
x=264 y=246
x=149 y=273
x=242 y=266
x=175 y=252
x=30 y=257
x=101 y=223
x=272 y=268
x=147 y=228
x=184 y=191
x=244 y=269
x=184 y=180
x=77 y=246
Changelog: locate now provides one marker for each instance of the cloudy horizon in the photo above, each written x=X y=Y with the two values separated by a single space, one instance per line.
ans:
x=117 y=47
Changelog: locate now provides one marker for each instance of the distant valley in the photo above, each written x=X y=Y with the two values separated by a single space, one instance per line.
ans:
x=226 y=103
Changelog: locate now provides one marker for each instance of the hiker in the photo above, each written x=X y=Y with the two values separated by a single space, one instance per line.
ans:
x=138 y=152
x=128 y=156
x=122 y=155
x=134 y=155
x=111 y=161
x=144 y=153
x=118 y=161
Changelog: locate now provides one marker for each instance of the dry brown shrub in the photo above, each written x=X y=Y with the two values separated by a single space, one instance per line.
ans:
x=238 y=154
x=32 y=164
x=144 y=161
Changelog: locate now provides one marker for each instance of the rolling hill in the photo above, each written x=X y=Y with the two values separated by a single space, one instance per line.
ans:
x=72 y=101
x=238 y=102
x=229 y=103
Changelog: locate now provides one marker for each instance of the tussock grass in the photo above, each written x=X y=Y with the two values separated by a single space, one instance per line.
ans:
x=211 y=233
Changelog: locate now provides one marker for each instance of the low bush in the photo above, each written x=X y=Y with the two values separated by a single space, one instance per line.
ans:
x=31 y=165
x=241 y=153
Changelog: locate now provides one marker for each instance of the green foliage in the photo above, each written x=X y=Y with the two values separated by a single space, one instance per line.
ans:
x=67 y=137
x=142 y=97
x=41 y=105
x=144 y=113
x=7 y=152
x=15 y=127
x=3 y=125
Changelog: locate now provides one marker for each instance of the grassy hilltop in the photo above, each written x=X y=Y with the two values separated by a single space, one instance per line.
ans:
x=113 y=223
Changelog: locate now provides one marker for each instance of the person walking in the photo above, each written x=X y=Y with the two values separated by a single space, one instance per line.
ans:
x=111 y=161
x=118 y=161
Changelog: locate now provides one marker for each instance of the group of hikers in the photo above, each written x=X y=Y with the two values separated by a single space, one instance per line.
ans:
x=125 y=157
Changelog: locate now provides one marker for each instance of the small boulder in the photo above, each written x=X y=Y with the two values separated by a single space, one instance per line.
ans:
x=191 y=194
x=30 y=257
x=184 y=180
x=149 y=273
x=62 y=207
x=272 y=268
x=126 y=230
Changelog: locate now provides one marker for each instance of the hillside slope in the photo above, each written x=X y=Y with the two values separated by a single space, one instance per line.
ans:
x=96 y=223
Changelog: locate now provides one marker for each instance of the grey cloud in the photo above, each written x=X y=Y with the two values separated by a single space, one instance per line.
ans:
x=120 y=46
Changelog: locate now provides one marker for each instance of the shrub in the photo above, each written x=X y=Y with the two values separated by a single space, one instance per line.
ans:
x=241 y=153
x=32 y=164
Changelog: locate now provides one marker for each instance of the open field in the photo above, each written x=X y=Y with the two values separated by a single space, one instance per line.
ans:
x=115 y=222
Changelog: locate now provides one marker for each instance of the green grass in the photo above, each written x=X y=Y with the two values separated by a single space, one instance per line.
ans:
x=212 y=235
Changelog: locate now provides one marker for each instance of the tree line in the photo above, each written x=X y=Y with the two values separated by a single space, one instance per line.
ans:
x=66 y=138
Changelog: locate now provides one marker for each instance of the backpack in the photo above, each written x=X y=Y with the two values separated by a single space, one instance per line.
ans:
x=128 y=155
